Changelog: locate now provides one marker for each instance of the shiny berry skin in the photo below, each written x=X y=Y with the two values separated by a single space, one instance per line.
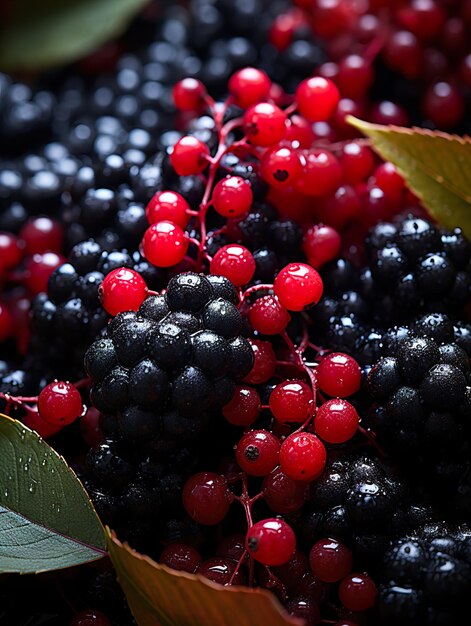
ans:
x=180 y=557
x=59 y=403
x=6 y=322
x=338 y=375
x=122 y=290
x=322 y=173
x=297 y=286
x=244 y=408
x=283 y=494
x=11 y=251
x=41 y=234
x=232 y=197
x=264 y=124
x=336 y=421
x=234 y=262
x=271 y=541
x=302 y=456
x=444 y=105
x=90 y=617
x=257 y=452
x=43 y=428
x=330 y=560
x=188 y=94
x=264 y=364
x=321 y=244
x=221 y=571
x=357 y=592
x=168 y=206
x=281 y=167
x=189 y=156
x=291 y=402
x=387 y=178
x=249 y=86
x=357 y=162
x=165 y=244
x=317 y=98
x=207 y=498
x=355 y=76
x=39 y=267
x=268 y=316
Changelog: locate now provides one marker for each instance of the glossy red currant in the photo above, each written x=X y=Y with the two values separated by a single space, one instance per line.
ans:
x=249 y=86
x=189 y=156
x=268 y=316
x=207 y=498
x=283 y=494
x=264 y=124
x=41 y=234
x=264 y=364
x=317 y=98
x=232 y=197
x=257 y=452
x=281 y=166
x=321 y=244
x=330 y=560
x=59 y=403
x=338 y=375
x=244 y=407
x=39 y=267
x=357 y=592
x=181 y=557
x=336 y=421
x=291 y=401
x=297 y=286
x=165 y=244
x=234 y=262
x=168 y=206
x=122 y=290
x=188 y=94
x=322 y=173
x=302 y=456
x=271 y=541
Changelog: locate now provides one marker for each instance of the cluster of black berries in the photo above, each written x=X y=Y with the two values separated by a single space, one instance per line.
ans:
x=422 y=385
x=69 y=316
x=426 y=577
x=362 y=502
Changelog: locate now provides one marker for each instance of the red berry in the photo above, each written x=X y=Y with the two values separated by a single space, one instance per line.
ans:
x=257 y=452
x=39 y=267
x=189 y=156
x=330 y=560
x=336 y=421
x=206 y=498
x=41 y=234
x=424 y=18
x=188 y=94
x=444 y=105
x=357 y=162
x=90 y=617
x=403 y=53
x=235 y=263
x=297 y=286
x=322 y=173
x=305 y=609
x=232 y=547
x=386 y=112
x=283 y=28
x=60 y=403
x=317 y=98
x=165 y=244
x=268 y=316
x=11 y=251
x=249 y=86
x=281 y=167
x=283 y=494
x=168 y=205
x=90 y=427
x=181 y=557
x=221 y=571
x=264 y=124
x=339 y=209
x=232 y=197
x=346 y=107
x=291 y=401
x=357 y=592
x=302 y=456
x=299 y=132
x=244 y=408
x=6 y=322
x=387 y=178
x=321 y=244
x=271 y=541
x=264 y=364
x=43 y=428
x=290 y=573
x=122 y=290
x=338 y=375
x=355 y=76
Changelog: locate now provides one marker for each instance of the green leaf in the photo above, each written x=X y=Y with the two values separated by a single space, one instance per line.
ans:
x=36 y=34
x=436 y=166
x=159 y=596
x=47 y=521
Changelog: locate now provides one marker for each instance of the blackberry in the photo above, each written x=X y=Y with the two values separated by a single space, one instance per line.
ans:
x=426 y=577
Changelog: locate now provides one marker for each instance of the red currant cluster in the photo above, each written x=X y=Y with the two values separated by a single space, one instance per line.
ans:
x=424 y=43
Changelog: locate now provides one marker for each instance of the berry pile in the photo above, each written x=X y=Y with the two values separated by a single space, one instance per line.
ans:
x=233 y=319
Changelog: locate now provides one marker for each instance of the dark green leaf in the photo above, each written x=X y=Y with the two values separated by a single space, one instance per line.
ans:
x=436 y=166
x=46 y=519
x=159 y=596
x=41 y=33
